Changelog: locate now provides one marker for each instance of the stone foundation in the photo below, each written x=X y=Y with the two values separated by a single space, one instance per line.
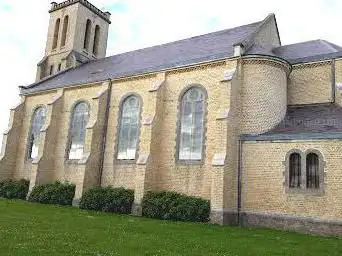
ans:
x=224 y=217
x=299 y=224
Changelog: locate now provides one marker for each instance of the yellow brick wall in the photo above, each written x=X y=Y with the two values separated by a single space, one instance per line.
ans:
x=263 y=190
x=122 y=173
x=310 y=84
x=23 y=168
x=338 y=80
x=263 y=95
x=191 y=179
x=64 y=170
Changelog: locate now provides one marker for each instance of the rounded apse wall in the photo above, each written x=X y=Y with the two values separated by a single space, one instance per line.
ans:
x=263 y=94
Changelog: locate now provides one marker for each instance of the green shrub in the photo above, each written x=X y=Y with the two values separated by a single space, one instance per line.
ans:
x=174 y=206
x=14 y=189
x=108 y=199
x=55 y=193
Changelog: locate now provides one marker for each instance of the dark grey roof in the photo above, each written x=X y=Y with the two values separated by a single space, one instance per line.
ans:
x=317 y=118
x=184 y=52
x=316 y=50
x=304 y=121
x=308 y=51
x=208 y=47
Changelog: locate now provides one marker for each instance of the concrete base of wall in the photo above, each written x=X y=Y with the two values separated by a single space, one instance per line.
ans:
x=76 y=202
x=224 y=217
x=136 y=209
x=299 y=224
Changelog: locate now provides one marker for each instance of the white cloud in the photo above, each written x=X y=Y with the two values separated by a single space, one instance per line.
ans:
x=137 y=24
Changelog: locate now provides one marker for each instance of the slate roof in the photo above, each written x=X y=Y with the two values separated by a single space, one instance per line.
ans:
x=189 y=51
x=208 y=47
x=315 y=50
x=308 y=51
x=315 y=121
x=317 y=118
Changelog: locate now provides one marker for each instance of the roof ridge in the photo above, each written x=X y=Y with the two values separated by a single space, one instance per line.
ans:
x=332 y=46
x=303 y=42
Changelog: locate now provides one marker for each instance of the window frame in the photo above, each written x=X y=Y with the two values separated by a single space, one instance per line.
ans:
x=303 y=189
x=87 y=35
x=118 y=127
x=56 y=31
x=28 y=141
x=65 y=29
x=96 y=40
x=68 y=144
x=179 y=125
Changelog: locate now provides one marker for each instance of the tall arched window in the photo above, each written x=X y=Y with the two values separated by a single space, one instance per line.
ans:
x=55 y=34
x=312 y=171
x=87 y=35
x=192 y=125
x=96 y=40
x=129 y=128
x=79 y=120
x=65 y=30
x=295 y=174
x=38 y=120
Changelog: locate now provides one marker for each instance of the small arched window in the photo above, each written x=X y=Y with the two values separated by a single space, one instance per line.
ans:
x=79 y=121
x=38 y=120
x=192 y=125
x=87 y=35
x=129 y=128
x=65 y=30
x=55 y=34
x=312 y=171
x=295 y=173
x=96 y=40
x=51 y=70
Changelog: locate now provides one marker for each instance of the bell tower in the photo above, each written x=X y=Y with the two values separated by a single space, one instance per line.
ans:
x=77 y=33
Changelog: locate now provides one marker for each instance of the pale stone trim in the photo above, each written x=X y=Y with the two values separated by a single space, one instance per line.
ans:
x=219 y=159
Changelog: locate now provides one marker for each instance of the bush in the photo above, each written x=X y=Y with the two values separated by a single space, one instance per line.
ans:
x=56 y=193
x=108 y=199
x=174 y=206
x=14 y=189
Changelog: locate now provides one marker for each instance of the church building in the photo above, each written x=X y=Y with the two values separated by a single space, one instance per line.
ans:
x=231 y=116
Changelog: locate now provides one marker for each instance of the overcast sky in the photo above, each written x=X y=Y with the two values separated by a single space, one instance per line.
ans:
x=137 y=24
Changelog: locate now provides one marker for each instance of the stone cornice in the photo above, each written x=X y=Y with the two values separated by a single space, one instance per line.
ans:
x=104 y=15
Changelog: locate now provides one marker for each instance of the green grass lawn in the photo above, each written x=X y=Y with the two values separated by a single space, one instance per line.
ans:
x=32 y=229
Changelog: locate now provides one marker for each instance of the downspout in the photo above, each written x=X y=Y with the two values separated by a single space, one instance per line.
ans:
x=239 y=176
x=105 y=128
x=333 y=81
x=239 y=183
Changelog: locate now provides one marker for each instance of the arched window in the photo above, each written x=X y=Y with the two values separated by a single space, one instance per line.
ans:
x=79 y=120
x=312 y=171
x=65 y=30
x=129 y=128
x=192 y=125
x=55 y=34
x=96 y=40
x=295 y=174
x=51 y=70
x=38 y=120
x=87 y=35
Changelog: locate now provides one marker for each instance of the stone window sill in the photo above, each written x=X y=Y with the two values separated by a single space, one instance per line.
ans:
x=190 y=162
